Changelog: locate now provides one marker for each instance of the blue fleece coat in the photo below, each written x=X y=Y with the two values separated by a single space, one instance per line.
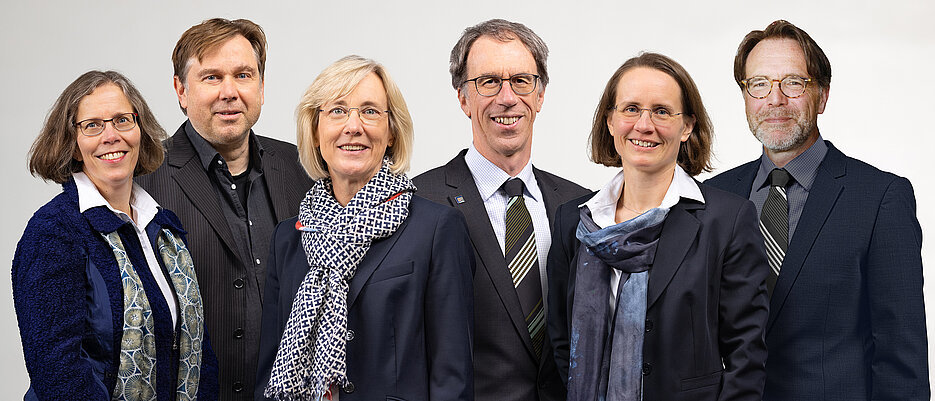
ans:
x=69 y=303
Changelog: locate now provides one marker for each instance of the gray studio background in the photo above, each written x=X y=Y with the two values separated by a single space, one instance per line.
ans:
x=880 y=107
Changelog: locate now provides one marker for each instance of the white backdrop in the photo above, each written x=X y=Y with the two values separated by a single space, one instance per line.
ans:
x=879 y=110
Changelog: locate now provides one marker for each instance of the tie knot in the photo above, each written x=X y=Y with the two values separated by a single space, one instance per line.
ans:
x=779 y=178
x=513 y=187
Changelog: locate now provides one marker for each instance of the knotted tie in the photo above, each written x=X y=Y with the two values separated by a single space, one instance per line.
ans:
x=774 y=223
x=523 y=260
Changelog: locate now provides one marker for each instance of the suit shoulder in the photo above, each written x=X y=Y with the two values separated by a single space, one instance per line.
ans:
x=276 y=144
x=423 y=207
x=726 y=177
x=430 y=178
x=563 y=185
x=713 y=194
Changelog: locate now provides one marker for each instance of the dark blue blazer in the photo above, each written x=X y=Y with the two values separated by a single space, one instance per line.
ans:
x=409 y=309
x=706 y=300
x=847 y=320
x=69 y=303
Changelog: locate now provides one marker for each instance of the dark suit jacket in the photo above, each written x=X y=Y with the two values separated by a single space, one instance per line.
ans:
x=409 y=331
x=230 y=290
x=847 y=320
x=706 y=300
x=505 y=365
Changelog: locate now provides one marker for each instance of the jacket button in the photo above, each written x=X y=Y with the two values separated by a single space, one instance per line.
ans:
x=647 y=368
x=350 y=335
x=238 y=387
x=349 y=387
x=649 y=325
x=238 y=333
x=238 y=283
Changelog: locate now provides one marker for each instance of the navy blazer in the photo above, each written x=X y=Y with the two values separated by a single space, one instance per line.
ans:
x=69 y=303
x=409 y=308
x=706 y=300
x=847 y=319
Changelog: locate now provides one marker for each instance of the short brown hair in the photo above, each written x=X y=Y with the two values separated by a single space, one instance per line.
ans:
x=694 y=154
x=206 y=36
x=819 y=68
x=338 y=80
x=503 y=31
x=52 y=155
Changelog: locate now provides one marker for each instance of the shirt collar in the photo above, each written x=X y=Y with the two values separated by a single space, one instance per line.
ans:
x=140 y=201
x=489 y=178
x=603 y=205
x=209 y=156
x=803 y=168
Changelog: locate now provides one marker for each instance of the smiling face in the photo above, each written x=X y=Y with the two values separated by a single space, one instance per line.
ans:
x=223 y=93
x=501 y=124
x=643 y=145
x=354 y=149
x=110 y=157
x=781 y=123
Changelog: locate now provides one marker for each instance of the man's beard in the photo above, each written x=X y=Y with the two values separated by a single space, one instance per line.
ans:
x=781 y=139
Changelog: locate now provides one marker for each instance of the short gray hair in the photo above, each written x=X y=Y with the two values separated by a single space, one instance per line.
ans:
x=502 y=30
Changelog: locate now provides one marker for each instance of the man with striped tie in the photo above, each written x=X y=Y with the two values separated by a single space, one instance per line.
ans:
x=847 y=320
x=498 y=69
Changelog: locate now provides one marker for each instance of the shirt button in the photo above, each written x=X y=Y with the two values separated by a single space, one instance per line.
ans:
x=238 y=333
x=647 y=368
x=238 y=283
x=238 y=387
x=251 y=222
x=258 y=261
x=350 y=335
x=221 y=162
x=233 y=186
x=649 y=325
x=349 y=387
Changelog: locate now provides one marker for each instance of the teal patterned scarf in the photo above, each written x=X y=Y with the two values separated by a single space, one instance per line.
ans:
x=136 y=374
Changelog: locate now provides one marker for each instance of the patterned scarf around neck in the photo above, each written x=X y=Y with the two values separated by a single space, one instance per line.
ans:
x=312 y=353
x=605 y=339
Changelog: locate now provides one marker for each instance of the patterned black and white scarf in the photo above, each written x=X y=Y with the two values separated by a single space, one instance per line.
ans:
x=311 y=354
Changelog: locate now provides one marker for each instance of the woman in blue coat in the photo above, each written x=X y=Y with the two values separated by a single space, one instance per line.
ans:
x=105 y=292
x=368 y=294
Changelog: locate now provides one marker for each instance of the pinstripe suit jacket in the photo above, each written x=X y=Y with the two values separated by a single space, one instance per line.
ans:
x=505 y=366
x=230 y=290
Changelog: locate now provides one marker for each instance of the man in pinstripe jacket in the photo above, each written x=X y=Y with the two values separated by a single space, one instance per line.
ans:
x=228 y=186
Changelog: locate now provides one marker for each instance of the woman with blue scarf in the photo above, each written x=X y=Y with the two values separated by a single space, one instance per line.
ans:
x=657 y=282
x=106 y=296
x=369 y=289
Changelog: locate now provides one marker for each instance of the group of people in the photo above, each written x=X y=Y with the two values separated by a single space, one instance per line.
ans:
x=221 y=264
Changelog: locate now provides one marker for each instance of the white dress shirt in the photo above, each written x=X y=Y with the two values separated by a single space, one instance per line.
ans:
x=603 y=207
x=145 y=208
x=489 y=178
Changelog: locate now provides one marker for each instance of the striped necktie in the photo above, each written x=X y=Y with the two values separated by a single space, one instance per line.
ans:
x=774 y=223
x=523 y=261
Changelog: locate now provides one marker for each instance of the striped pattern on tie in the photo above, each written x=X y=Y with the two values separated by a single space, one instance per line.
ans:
x=774 y=223
x=523 y=262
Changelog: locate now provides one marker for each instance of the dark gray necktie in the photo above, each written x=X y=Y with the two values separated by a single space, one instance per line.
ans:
x=523 y=261
x=774 y=223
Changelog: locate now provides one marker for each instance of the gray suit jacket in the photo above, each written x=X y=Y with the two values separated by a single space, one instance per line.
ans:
x=230 y=290
x=505 y=365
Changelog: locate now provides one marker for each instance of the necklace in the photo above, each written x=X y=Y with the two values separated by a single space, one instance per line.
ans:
x=633 y=210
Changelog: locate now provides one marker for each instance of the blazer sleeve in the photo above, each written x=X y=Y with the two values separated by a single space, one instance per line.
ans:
x=743 y=310
x=449 y=311
x=49 y=297
x=899 y=364
x=561 y=274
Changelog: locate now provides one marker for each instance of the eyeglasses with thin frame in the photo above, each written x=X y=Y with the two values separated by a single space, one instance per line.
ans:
x=490 y=85
x=792 y=86
x=659 y=115
x=94 y=126
x=339 y=114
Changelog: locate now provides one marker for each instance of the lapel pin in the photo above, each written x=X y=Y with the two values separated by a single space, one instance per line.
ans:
x=459 y=199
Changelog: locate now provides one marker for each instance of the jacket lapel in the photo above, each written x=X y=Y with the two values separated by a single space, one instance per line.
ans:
x=276 y=184
x=823 y=195
x=550 y=194
x=194 y=182
x=678 y=235
x=463 y=196
x=375 y=255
